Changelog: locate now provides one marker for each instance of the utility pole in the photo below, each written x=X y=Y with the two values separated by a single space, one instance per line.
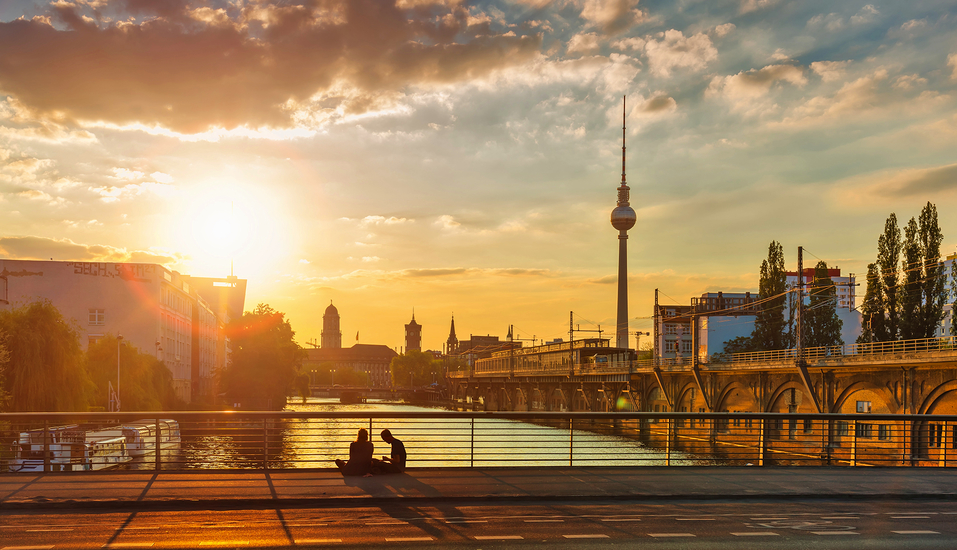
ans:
x=654 y=348
x=800 y=307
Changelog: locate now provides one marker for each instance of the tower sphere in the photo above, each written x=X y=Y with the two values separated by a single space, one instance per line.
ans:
x=623 y=218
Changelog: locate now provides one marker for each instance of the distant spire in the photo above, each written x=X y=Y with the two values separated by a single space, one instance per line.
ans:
x=623 y=98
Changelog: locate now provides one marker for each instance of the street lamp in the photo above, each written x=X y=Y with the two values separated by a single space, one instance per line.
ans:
x=119 y=340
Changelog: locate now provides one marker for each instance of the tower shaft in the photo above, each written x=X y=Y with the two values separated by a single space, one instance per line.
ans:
x=621 y=330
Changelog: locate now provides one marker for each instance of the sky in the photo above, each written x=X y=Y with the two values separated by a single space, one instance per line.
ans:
x=454 y=157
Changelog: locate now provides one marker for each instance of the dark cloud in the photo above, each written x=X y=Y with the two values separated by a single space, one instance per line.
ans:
x=934 y=180
x=190 y=68
x=658 y=104
x=41 y=248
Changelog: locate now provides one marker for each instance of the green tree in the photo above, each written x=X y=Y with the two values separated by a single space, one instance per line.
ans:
x=888 y=259
x=419 y=364
x=823 y=325
x=265 y=360
x=873 y=308
x=910 y=297
x=770 y=325
x=44 y=367
x=933 y=276
x=145 y=382
x=328 y=374
x=741 y=344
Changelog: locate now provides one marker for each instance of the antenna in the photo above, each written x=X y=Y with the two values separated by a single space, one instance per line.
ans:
x=623 y=110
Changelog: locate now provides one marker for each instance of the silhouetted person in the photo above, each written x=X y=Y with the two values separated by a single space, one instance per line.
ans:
x=394 y=464
x=360 y=456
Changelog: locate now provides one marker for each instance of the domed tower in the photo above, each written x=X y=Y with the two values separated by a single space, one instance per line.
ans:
x=623 y=218
x=331 y=335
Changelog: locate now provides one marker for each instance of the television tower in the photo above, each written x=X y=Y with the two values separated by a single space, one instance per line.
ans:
x=623 y=218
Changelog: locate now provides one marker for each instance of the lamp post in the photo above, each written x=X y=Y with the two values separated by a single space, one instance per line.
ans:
x=411 y=385
x=119 y=340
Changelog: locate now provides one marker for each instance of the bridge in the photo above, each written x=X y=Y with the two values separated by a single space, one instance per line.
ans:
x=903 y=377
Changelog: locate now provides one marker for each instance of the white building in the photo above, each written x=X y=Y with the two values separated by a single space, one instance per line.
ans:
x=846 y=288
x=947 y=322
x=153 y=308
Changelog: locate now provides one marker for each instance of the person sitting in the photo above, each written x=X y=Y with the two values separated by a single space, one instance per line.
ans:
x=360 y=456
x=394 y=464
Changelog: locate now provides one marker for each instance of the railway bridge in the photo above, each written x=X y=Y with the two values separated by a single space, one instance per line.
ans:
x=904 y=377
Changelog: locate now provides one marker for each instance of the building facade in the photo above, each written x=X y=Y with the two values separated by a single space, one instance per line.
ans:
x=373 y=359
x=331 y=333
x=155 y=309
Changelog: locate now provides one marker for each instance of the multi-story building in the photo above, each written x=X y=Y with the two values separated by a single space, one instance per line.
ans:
x=155 y=309
x=373 y=359
x=846 y=292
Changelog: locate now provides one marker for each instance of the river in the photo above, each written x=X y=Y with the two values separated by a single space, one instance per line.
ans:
x=316 y=443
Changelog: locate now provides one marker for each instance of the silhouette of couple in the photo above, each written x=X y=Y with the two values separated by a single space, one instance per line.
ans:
x=361 y=462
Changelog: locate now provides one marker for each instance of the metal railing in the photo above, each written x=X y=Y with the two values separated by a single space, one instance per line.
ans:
x=288 y=440
x=926 y=349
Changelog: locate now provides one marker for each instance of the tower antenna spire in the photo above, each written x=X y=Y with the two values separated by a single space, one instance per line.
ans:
x=623 y=98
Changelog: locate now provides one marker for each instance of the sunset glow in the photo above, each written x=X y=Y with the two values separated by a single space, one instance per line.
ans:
x=455 y=156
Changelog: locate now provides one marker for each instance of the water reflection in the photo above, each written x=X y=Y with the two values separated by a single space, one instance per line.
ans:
x=441 y=442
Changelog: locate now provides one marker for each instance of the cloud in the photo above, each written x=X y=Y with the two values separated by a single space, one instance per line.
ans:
x=904 y=184
x=42 y=248
x=952 y=62
x=746 y=89
x=867 y=14
x=754 y=5
x=190 y=74
x=859 y=95
x=583 y=43
x=830 y=70
x=612 y=16
x=446 y=221
x=674 y=50
x=382 y=220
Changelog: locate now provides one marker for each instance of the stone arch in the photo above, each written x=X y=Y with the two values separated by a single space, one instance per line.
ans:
x=537 y=400
x=870 y=389
x=579 y=401
x=655 y=400
x=606 y=403
x=557 y=400
x=688 y=398
x=519 y=401
x=936 y=398
x=780 y=391
x=737 y=397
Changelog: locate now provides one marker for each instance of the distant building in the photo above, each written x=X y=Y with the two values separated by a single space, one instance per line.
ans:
x=331 y=334
x=372 y=359
x=948 y=321
x=413 y=336
x=178 y=318
x=452 y=343
x=845 y=288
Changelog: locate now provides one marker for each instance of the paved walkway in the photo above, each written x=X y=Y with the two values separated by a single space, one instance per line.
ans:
x=327 y=487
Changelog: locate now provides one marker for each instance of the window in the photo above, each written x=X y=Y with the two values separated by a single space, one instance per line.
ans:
x=671 y=328
x=94 y=338
x=863 y=406
x=97 y=317
x=884 y=432
x=863 y=430
x=808 y=425
x=842 y=428
x=685 y=346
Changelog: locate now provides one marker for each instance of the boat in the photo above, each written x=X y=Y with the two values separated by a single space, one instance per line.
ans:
x=69 y=449
x=141 y=436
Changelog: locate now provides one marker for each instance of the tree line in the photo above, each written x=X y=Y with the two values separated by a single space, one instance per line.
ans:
x=904 y=299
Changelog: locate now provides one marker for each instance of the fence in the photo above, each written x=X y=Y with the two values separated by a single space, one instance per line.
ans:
x=201 y=441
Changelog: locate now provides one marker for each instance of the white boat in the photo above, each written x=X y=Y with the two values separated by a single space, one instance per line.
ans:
x=141 y=436
x=69 y=448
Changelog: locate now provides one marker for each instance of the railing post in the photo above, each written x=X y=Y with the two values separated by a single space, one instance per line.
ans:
x=265 y=446
x=472 y=444
x=46 y=446
x=943 y=446
x=854 y=442
x=762 y=441
x=671 y=430
x=158 y=449
x=571 y=441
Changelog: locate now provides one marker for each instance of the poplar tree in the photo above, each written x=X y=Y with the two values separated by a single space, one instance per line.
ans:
x=823 y=325
x=769 y=325
x=873 y=308
x=933 y=275
x=911 y=324
x=888 y=259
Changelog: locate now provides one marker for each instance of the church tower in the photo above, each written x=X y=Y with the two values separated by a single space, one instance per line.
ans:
x=452 y=342
x=413 y=335
x=331 y=335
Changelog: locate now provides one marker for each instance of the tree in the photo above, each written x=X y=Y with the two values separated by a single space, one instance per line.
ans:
x=741 y=344
x=44 y=367
x=4 y=357
x=265 y=360
x=873 y=309
x=419 y=364
x=769 y=325
x=822 y=324
x=146 y=383
x=909 y=299
x=327 y=373
x=933 y=291
x=888 y=258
